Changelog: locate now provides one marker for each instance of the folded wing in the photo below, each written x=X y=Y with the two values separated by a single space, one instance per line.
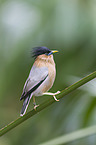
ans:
x=36 y=77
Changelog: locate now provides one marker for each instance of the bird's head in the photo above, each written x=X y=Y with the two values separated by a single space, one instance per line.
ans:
x=42 y=50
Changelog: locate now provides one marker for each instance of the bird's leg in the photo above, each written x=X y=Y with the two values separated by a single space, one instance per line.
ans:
x=52 y=94
x=34 y=103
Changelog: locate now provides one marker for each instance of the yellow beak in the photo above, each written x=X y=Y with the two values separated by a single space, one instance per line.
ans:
x=54 y=51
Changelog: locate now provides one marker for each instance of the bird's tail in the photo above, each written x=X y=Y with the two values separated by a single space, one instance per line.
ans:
x=25 y=105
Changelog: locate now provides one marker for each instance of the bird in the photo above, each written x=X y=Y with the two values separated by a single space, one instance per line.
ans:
x=41 y=77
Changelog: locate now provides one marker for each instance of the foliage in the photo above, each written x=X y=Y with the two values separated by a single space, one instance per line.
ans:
x=66 y=25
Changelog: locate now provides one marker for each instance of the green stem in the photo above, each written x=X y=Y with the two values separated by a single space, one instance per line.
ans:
x=45 y=104
x=72 y=136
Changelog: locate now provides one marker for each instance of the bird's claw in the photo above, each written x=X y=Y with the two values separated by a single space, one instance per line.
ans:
x=35 y=107
x=56 y=94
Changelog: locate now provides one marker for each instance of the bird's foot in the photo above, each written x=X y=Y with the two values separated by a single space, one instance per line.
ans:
x=35 y=106
x=34 y=103
x=56 y=94
x=53 y=94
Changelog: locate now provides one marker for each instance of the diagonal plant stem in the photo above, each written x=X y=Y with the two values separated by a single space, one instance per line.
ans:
x=45 y=104
x=72 y=136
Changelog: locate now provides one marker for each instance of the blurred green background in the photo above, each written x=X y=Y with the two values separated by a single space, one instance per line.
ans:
x=68 y=26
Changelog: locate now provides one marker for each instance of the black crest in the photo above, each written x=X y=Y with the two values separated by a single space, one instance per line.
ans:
x=40 y=50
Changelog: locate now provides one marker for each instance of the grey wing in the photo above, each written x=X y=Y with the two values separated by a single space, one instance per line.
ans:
x=36 y=77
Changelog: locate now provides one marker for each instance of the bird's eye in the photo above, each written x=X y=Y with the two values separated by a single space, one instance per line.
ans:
x=49 y=53
x=46 y=53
